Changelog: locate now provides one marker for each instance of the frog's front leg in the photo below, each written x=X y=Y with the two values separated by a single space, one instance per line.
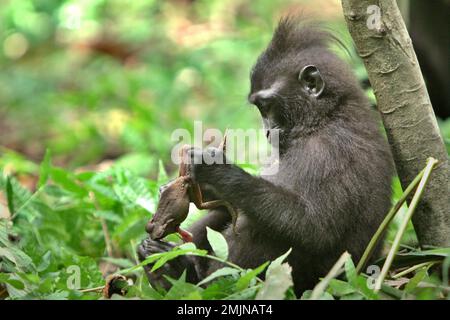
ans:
x=197 y=199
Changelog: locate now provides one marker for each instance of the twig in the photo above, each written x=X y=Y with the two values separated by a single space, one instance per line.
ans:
x=106 y=235
x=92 y=289
x=34 y=195
x=431 y=162
x=133 y=246
x=413 y=268
x=383 y=226
x=333 y=273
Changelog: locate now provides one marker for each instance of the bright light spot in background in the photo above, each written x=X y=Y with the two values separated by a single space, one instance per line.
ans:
x=71 y=16
x=147 y=204
x=188 y=77
x=15 y=46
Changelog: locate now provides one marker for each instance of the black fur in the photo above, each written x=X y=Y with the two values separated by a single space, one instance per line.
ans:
x=333 y=187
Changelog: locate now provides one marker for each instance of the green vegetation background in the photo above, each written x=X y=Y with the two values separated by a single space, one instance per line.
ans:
x=90 y=92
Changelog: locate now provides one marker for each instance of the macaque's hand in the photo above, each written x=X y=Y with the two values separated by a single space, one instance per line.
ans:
x=206 y=164
x=173 y=268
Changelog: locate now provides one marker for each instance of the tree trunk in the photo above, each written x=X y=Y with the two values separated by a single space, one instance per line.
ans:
x=383 y=43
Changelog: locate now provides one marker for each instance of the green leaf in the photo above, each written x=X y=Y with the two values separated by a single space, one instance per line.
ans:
x=244 y=281
x=187 y=246
x=4 y=241
x=278 y=281
x=306 y=295
x=162 y=174
x=65 y=179
x=361 y=285
x=415 y=257
x=226 y=271
x=340 y=288
x=45 y=261
x=350 y=271
x=167 y=256
x=121 y=262
x=29 y=277
x=219 y=288
x=5 y=278
x=246 y=294
x=19 y=258
x=163 y=257
x=353 y=296
x=10 y=195
x=324 y=296
x=414 y=282
x=445 y=268
x=218 y=243
x=57 y=295
x=108 y=215
x=86 y=175
x=44 y=170
x=277 y=262
x=150 y=259
x=195 y=295
x=46 y=285
x=145 y=291
x=16 y=284
x=181 y=289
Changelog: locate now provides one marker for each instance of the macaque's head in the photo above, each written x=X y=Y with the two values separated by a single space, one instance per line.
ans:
x=298 y=83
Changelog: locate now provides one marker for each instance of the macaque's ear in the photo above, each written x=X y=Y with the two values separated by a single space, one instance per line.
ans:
x=311 y=81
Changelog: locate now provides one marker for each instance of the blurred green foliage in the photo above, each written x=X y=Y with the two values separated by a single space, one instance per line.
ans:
x=90 y=82
x=94 y=80
x=102 y=84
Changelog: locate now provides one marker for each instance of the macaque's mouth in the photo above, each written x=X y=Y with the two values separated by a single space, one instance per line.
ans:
x=153 y=237
x=157 y=232
x=156 y=237
x=270 y=131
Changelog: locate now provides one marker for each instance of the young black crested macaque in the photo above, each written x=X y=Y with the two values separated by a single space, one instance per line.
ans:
x=333 y=187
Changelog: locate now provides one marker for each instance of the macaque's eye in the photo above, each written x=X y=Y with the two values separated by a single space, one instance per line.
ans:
x=311 y=81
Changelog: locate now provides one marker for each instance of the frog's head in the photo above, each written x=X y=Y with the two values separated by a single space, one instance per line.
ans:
x=173 y=208
x=159 y=229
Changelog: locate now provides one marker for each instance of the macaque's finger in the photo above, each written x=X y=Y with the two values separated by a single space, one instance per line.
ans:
x=223 y=144
x=148 y=247
x=196 y=155
x=184 y=160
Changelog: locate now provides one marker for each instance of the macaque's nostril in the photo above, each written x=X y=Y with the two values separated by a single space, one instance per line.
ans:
x=252 y=98
x=149 y=227
x=260 y=100
x=257 y=99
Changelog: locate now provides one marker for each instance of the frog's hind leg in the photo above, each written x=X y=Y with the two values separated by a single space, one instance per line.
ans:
x=221 y=203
